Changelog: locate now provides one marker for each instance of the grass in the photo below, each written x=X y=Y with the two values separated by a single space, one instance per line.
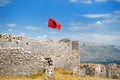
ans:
x=39 y=74
x=59 y=75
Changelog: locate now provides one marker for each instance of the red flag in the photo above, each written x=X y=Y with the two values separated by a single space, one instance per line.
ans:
x=53 y=24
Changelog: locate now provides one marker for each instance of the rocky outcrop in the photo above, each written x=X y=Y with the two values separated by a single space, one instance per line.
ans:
x=98 y=70
x=113 y=71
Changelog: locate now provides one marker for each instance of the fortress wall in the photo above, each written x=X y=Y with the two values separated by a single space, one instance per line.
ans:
x=17 y=62
x=37 y=46
x=66 y=61
x=21 y=56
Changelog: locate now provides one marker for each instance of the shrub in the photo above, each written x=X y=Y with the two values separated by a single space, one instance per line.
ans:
x=10 y=40
x=0 y=35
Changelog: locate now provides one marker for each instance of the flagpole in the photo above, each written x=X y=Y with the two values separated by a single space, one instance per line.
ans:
x=48 y=34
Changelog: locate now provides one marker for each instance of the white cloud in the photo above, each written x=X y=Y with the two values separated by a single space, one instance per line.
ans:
x=32 y=28
x=107 y=38
x=117 y=12
x=74 y=1
x=97 y=15
x=10 y=30
x=81 y=1
x=117 y=0
x=94 y=37
x=101 y=38
x=101 y=0
x=108 y=18
x=90 y=1
x=99 y=28
x=86 y=1
x=104 y=37
x=98 y=22
x=115 y=18
x=11 y=25
x=74 y=26
x=4 y=2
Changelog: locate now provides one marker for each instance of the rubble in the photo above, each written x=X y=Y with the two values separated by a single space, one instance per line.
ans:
x=98 y=70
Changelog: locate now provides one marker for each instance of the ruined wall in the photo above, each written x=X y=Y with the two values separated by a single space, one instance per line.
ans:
x=34 y=45
x=113 y=71
x=20 y=56
x=98 y=70
x=17 y=62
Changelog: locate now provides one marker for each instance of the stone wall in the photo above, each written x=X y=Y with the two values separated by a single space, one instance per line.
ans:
x=17 y=62
x=34 y=45
x=20 y=56
x=98 y=70
x=113 y=71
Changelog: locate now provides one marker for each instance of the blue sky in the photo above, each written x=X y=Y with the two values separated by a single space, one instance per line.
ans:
x=83 y=20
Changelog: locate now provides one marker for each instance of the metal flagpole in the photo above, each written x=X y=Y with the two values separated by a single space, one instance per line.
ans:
x=48 y=34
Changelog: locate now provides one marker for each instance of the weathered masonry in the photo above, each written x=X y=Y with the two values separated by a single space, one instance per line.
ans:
x=20 y=56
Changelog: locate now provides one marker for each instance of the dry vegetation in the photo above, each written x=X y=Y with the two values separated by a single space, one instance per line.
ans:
x=59 y=75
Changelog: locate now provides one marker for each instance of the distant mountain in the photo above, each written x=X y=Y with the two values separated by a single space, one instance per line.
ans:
x=99 y=53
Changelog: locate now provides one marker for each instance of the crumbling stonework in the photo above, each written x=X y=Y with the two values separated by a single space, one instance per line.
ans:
x=20 y=56
x=49 y=69
x=113 y=71
x=98 y=70
x=49 y=73
x=17 y=62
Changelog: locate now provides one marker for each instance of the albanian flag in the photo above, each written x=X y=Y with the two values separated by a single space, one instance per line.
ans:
x=53 y=24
